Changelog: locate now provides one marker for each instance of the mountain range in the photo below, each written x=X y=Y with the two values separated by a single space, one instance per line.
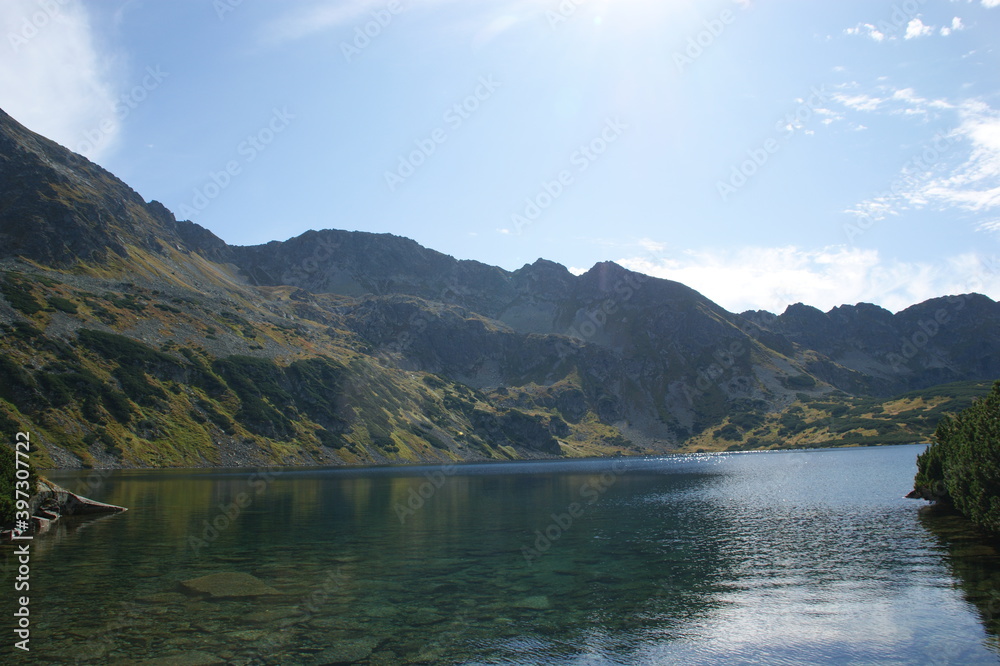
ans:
x=132 y=339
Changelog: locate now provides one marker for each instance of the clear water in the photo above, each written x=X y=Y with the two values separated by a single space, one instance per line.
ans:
x=749 y=558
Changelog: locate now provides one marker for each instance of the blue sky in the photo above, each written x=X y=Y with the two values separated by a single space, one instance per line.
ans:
x=762 y=152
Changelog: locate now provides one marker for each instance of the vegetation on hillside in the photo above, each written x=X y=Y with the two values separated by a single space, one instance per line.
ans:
x=962 y=467
x=838 y=419
x=108 y=373
x=100 y=398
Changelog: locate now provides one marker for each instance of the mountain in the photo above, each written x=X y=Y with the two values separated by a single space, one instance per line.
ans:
x=130 y=338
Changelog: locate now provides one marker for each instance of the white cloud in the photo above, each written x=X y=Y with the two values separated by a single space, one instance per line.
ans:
x=989 y=4
x=956 y=25
x=771 y=278
x=53 y=78
x=916 y=28
x=866 y=30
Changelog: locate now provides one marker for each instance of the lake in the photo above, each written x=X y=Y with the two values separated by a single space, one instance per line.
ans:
x=798 y=557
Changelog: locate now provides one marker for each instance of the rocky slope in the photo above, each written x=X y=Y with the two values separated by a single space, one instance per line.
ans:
x=133 y=339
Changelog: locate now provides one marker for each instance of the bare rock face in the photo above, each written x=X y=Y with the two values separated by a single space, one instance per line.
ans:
x=228 y=585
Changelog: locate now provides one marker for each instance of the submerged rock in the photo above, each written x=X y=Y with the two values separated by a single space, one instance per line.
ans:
x=162 y=598
x=228 y=585
x=269 y=615
x=538 y=602
x=192 y=658
x=347 y=651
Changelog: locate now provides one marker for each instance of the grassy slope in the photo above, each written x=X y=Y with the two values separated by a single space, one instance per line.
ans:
x=132 y=376
x=842 y=420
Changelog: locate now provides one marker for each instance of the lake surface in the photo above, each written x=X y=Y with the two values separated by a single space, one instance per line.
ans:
x=806 y=557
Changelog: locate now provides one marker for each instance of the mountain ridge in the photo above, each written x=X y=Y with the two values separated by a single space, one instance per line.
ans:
x=337 y=347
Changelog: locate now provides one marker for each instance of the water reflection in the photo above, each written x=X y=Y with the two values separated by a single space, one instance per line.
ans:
x=973 y=558
x=792 y=558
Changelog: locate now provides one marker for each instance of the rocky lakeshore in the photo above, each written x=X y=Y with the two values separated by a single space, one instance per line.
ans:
x=51 y=502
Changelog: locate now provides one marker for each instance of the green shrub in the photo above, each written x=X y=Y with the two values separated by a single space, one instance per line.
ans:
x=19 y=296
x=257 y=382
x=963 y=466
x=729 y=433
x=800 y=382
x=746 y=420
x=63 y=304
x=328 y=439
x=17 y=387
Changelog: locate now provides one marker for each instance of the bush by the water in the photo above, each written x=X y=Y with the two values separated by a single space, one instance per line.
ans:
x=963 y=466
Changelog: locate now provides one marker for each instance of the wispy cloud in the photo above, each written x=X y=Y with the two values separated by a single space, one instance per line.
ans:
x=53 y=77
x=304 y=21
x=975 y=184
x=328 y=15
x=771 y=278
x=958 y=168
x=859 y=101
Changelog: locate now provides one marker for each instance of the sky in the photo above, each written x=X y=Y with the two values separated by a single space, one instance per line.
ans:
x=763 y=152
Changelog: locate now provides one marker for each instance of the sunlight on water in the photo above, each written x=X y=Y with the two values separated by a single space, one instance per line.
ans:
x=773 y=558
